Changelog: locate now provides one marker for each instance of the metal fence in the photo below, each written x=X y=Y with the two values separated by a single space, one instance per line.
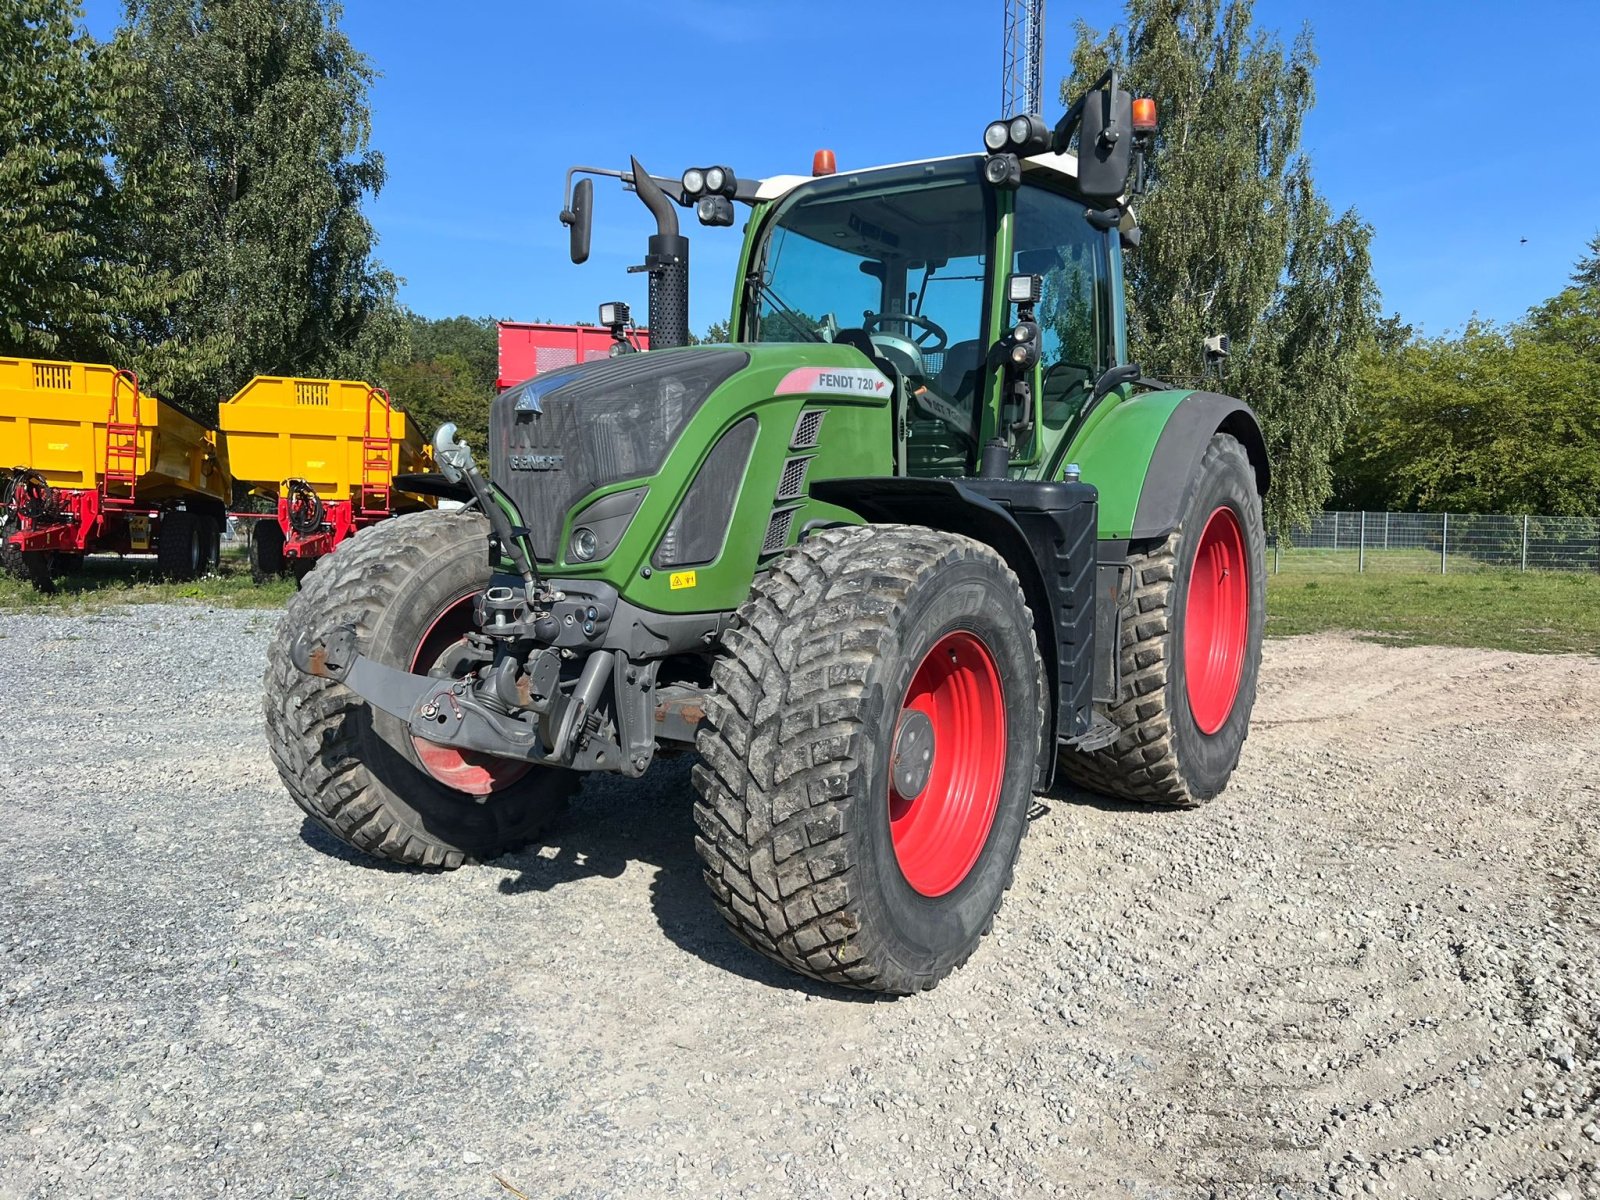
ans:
x=1441 y=543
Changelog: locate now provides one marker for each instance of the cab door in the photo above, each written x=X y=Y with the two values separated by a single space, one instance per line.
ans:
x=1077 y=313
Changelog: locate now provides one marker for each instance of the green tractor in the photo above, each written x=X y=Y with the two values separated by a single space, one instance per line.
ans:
x=917 y=542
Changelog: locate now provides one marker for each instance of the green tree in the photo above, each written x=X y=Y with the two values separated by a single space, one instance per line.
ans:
x=448 y=373
x=1493 y=419
x=58 y=278
x=1236 y=237
x=240 y=135
x=1587 y=273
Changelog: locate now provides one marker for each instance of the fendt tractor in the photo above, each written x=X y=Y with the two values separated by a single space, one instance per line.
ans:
x=918 y=540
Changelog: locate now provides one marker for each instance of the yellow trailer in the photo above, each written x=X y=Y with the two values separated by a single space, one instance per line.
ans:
x=329 y=451
x=98 y=466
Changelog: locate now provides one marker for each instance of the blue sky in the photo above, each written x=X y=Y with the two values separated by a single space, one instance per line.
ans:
x=1456 y=129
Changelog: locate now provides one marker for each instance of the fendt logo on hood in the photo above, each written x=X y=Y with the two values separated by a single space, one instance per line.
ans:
x=834 y=381
x=536 y=462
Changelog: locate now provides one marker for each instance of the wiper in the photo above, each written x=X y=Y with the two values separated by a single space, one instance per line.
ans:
x=796 y=320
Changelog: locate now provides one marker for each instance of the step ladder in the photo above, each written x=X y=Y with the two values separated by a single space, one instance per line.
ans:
x=377 y=460
x=121 y=474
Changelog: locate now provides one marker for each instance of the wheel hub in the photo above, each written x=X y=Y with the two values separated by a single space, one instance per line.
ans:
x=947 y=764
x=912 y=762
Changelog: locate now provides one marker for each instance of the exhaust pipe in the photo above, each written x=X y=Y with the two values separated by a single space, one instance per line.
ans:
x=668 y=265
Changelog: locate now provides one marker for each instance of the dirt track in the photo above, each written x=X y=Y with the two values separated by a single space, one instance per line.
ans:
x=1371 y=967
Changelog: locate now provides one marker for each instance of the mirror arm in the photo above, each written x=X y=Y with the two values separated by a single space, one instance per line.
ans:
x=1068 y=125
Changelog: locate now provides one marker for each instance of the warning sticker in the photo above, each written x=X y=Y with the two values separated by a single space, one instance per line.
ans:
x=679 y=580
x=834 y=381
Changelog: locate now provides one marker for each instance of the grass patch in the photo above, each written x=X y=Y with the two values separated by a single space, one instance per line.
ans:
x=108 y=581
x=1539 y=612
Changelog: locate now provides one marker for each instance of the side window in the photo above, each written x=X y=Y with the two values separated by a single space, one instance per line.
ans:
x=1054 y=240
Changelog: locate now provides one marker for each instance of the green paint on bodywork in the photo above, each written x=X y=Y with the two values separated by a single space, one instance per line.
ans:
x=856 y=439
x=1114 y=449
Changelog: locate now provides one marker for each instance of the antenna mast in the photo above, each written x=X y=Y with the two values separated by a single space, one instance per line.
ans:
x=1023 y=64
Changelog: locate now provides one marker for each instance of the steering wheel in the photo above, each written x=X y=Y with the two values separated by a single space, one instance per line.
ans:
x=929 y=329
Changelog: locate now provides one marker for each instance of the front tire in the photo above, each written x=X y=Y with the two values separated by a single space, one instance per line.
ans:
x=407 y=586
x=869 y=755
x=1191 y=647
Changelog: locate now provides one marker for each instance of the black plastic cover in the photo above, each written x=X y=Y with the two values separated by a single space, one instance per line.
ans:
x=558 y=437
x=699 y=529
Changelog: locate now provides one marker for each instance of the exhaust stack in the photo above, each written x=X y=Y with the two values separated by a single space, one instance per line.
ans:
x=667 y=261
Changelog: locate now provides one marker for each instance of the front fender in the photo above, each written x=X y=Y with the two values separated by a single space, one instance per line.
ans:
x=1143 y=455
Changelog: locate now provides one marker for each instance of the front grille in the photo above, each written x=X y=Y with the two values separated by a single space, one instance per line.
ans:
x=601 y=423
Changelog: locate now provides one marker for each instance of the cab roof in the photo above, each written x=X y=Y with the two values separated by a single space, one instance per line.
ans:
x=1064 y=165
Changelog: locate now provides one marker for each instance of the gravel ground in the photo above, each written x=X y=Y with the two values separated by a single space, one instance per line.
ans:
x=1369 y=968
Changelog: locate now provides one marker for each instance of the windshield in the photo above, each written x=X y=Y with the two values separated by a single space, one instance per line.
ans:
x=894 y=263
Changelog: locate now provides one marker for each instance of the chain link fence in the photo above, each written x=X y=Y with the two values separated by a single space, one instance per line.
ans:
x=1438 y=543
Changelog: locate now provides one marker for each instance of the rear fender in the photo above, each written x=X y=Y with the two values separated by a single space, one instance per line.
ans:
x=1144 y=457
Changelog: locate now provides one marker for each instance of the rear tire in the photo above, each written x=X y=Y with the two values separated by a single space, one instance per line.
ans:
x=266 y=549
x=180 y=546
x=356 y=771
x=857 y=650
x=1191 y=647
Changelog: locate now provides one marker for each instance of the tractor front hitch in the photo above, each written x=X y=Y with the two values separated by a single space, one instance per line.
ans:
x=528 y=717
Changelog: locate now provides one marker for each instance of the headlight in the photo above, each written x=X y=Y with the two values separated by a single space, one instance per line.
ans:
x=694 y=181
x=715 y=178
x=996 y=135
x=1020 y=129
x=584 y=543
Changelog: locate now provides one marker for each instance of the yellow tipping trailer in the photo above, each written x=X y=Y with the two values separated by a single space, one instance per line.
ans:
x=328 y=450
x=98 y=466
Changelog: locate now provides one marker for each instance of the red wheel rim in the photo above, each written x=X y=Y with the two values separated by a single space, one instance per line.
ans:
x=1216 y=621
x=939 y=831
x=469 y=771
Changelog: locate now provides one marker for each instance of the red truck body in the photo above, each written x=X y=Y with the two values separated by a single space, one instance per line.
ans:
x=527 y=350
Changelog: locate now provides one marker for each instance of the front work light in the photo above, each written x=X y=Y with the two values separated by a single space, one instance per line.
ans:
x=1024 y=349
x=714 y=210
x=1028 y=135
x=615 y=313
x=1025 y=289
x=1003 y=170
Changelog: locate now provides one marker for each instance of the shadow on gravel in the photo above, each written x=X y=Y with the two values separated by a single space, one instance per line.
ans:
x=1062 y=793
x=614 y=822
x=322 y=841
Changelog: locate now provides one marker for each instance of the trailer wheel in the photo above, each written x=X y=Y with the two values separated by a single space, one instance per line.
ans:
x=407 y=585
x=180 y=545
x=266 y=550
x=868 y=755
x=1191 y=647
x=11 y=557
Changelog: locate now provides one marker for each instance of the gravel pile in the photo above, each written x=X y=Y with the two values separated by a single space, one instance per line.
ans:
x=1369 y=969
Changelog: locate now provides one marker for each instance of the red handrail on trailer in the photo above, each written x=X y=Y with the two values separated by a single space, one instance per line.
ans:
x=122 y=445
x=377 y=460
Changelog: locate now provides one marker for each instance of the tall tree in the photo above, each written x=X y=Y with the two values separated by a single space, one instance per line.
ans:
x=57 y=277
x=240 y=130
x=1587 y=273
x=1236 y=237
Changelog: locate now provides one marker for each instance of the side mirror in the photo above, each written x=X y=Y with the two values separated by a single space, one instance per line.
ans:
x=579 y=219
x=1105 y=143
